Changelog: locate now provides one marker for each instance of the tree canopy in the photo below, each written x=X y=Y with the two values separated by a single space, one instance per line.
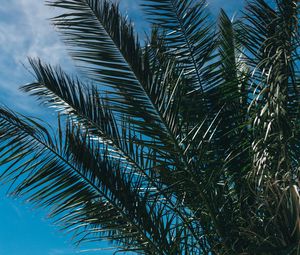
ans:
x=185 y=143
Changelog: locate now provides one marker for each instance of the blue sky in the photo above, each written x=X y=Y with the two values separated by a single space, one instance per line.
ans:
x=25 y=32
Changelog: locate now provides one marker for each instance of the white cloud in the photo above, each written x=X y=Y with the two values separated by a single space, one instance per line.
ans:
x=44 y=41
x=25 y=31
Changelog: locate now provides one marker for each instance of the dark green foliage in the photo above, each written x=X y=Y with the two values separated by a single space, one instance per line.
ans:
x=187 y=143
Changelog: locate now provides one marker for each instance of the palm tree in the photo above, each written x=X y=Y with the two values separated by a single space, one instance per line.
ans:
x=186 y=143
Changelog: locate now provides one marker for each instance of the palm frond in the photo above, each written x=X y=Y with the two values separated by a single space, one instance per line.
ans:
x=107 y=204
x=83 y=105
x=105 y=40
x=188 y=34
x=270 y=38
x=143 y=94
x=269 y=34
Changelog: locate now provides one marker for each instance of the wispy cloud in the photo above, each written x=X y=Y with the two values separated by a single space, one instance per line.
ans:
x=25 y=31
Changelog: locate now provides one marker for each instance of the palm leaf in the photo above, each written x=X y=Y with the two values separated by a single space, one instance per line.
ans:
x=107 y=203
x=105 y=40
x=188 y=34
x=83 y=105
x=270 y=37
x=93 y=28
